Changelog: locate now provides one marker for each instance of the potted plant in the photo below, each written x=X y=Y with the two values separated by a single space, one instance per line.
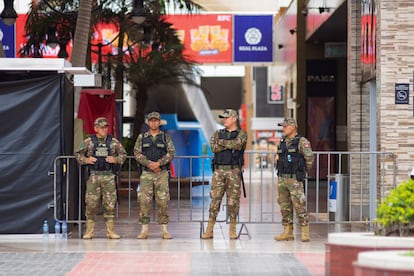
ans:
x=393 y=231
x=395 y=214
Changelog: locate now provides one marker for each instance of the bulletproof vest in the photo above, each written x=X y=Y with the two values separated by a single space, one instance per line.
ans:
x=154 y=149
x=100 y=152
x=228 y=157
x=290 y=159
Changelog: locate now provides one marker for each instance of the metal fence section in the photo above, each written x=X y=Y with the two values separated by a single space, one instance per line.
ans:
x=360 y=176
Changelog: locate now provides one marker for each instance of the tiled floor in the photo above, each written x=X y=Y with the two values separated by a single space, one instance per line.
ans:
x=186 y=254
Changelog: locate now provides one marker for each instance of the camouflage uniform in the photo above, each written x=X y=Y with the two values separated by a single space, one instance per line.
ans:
x=100 y=183
x=154 y=183
x=291 y=191
x=228 y=147
x=226 y=178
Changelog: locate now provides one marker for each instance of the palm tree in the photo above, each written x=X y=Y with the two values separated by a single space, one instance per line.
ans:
x=155 y=54
x=83 y=23
x=158 y=59
x=82 y=34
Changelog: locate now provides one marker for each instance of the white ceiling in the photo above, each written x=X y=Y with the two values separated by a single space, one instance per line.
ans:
x=245 y=6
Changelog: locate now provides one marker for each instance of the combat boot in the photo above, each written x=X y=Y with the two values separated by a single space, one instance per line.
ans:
x=305 y=237
x=209 y=231
x=164 y=232
x=144 y=232
x=89 y=233
x=233 y=232
x=287 y=234
x=110 y=232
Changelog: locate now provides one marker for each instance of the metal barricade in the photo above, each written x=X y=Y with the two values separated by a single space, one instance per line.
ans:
x=370 y=175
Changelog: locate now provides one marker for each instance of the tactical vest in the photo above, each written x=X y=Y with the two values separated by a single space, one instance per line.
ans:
x=154 y=149
x=229 y=157
x=100 y=152
x=290 y=161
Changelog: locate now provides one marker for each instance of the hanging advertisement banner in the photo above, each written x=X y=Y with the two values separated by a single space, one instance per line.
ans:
x=206 y=37
x=368 y=39
x=253 y=38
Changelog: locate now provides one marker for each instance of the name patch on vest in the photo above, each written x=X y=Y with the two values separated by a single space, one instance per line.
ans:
x=101 y=152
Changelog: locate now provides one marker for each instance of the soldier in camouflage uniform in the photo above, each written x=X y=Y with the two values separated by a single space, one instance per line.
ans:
x=101 y=152
x=295 y=158
x=154 y=151
x=228 y=146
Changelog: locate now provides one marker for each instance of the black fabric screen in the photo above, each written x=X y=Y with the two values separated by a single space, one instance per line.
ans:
x=34 y=119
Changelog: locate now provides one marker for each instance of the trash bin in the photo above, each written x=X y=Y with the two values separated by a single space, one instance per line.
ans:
x=338 y=202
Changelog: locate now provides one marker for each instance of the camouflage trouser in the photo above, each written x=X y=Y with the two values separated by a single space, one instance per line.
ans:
x=153 y=184
x=99 y=186
x=292 y=196
x=225 y=181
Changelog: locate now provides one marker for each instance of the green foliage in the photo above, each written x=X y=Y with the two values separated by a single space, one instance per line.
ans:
x=149 y=54
x=129 y=144
x=62 y=15
x=409 y=254
x=398 y=207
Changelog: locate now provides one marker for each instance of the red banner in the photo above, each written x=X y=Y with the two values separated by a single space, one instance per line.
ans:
x=207 y=38
x=95 y=103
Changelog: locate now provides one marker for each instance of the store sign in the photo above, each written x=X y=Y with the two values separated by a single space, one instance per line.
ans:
x=206 y=37
x=7 y=38
x=253 y=38
x=320 y=78
x=402 y=93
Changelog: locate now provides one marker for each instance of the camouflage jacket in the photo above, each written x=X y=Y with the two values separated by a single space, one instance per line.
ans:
x=218 y=145
x=87 y=146
x=305 y=149
x=166 y=159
